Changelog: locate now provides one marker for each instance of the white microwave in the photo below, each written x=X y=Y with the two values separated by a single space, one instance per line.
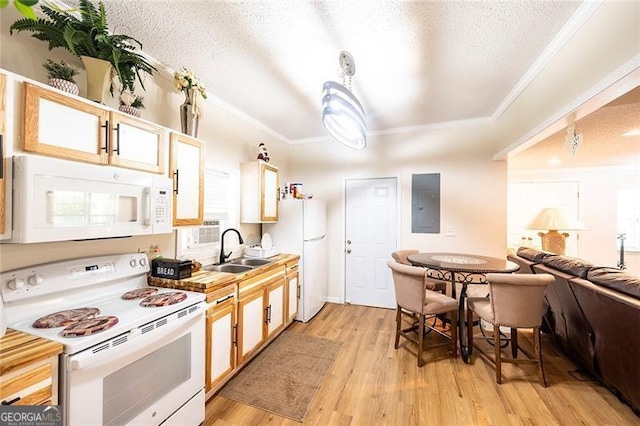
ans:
x=59 y=200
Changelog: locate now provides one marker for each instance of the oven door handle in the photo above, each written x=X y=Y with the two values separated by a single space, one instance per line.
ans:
x=137 y=345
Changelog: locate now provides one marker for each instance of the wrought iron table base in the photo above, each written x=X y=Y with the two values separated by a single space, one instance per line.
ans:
x=464 y=278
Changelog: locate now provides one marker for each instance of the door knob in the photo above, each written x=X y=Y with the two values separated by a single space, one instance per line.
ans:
x=348 y=250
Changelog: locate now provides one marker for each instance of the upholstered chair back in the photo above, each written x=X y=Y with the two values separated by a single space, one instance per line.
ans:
x=517 y=299
x=400 y=256
x=408 y=282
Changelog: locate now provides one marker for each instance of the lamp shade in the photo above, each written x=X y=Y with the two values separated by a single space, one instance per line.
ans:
x=343 y=115
x=554 y=219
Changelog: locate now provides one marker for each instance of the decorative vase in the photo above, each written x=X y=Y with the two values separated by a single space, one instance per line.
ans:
x=189 y=114
x=128 y=109
x=64 y=85
x=98 y=78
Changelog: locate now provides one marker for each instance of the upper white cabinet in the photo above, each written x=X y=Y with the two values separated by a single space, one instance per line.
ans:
x=138 y=144
x=187 y=171
x=260 y=192
x=62 y=126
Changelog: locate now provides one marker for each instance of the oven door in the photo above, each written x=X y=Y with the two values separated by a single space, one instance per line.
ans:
x=152 y=376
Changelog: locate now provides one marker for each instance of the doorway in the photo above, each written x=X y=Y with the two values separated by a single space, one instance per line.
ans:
x=370 y=237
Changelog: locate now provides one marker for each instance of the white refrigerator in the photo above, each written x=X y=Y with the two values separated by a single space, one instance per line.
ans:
x=301 y=229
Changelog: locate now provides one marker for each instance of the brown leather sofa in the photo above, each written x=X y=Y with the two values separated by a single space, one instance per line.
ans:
x=593 y=314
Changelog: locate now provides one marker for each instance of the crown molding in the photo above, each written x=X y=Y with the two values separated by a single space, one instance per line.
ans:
x=577 y=20
x=619 y=82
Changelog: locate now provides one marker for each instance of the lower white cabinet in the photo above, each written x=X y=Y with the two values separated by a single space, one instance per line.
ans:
x=292 y=294
x=243 y=316
x=251 y=317
x=275 y=307
x=221 y=339
x=260 y=311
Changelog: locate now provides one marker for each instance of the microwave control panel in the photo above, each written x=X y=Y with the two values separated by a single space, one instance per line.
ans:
x=162 y=207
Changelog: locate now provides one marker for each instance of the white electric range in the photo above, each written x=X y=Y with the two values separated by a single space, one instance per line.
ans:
x=133 y=354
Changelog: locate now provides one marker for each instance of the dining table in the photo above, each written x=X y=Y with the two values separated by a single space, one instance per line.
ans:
x=464 y=269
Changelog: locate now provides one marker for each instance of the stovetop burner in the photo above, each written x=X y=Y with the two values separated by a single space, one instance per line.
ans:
x=163 y=299
x=89 y=326
x=139 y=293
x=64 y=318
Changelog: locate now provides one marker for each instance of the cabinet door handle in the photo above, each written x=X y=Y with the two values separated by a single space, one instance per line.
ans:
x=269 y=313
x=266 y=315
x=117 y=129
x=234 y=335
x=219 y=301
x=1 y=157
x=105 y=148
x=298 y=291
x=13 y=401
x=176 y=176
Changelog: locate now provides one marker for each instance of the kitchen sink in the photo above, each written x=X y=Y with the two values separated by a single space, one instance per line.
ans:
x=229 y=267
x=250 y=261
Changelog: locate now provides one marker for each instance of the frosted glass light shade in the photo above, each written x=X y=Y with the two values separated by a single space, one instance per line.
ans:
x=554 y=219
x=343 y=115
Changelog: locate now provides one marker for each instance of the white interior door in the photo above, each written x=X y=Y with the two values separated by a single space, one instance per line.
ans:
x=371 y=210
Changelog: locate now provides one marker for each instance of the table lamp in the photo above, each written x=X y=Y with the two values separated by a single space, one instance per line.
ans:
x=554 y=220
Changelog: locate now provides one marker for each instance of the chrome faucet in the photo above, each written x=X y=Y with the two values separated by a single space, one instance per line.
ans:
x=223 y=256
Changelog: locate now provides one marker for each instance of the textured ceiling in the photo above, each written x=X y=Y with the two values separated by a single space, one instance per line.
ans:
x=603 y=144
x=417 y=63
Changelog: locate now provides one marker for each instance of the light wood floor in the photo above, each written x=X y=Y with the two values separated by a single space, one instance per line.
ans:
x=371 y=383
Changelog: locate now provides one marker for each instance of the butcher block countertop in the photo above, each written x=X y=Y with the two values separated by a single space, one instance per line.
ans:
x=19 y=349
x=210 y=281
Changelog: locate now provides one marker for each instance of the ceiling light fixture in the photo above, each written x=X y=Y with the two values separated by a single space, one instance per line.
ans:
x=554 y=161
x=572 y=139
x=342 y=113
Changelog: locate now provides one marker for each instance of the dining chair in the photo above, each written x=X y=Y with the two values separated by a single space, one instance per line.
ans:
x=400 y=256
x=433 y=283
x=417 y=302
x=515 y=301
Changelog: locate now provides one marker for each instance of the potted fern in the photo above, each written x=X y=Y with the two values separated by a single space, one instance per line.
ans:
x=61 y=75
x=85 y=33
x=130 y=103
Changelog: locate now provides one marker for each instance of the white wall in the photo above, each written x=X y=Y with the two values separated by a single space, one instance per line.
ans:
x=597 y=209
x=473 y=188
x=230 y=136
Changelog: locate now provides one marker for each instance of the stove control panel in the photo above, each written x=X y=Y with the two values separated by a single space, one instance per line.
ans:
x=85 y=271
x=71 y=275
